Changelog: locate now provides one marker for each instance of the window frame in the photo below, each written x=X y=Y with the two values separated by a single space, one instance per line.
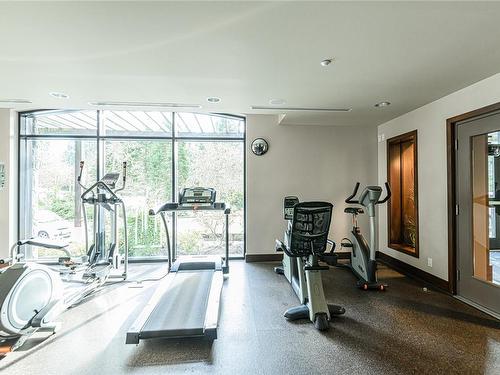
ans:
x=100 y=140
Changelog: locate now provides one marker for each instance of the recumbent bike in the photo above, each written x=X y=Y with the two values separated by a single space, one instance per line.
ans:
x=305 y=244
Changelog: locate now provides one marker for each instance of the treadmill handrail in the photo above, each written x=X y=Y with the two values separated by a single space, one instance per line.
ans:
x=171 y=207
x=174 y=207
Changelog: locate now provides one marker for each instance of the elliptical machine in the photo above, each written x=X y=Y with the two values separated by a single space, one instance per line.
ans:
x=305 y=243
x=102 y=196
x=363 y=263
x=32 y=295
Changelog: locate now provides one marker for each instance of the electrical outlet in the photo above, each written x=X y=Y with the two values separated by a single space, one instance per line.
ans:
x=429 y=262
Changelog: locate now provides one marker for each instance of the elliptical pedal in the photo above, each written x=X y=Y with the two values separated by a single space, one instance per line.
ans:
x=279 y=270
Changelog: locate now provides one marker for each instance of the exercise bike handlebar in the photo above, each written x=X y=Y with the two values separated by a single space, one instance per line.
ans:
x=354 y=193
x=389 y=194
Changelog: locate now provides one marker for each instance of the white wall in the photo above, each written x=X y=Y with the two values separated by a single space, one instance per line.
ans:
x=312 y=162
x=430 y=122
x=8 y=196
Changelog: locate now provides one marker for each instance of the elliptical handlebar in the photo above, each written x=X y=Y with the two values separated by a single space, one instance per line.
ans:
x=101 y=184
x=124 y=177
x=79 y=178
x=354 y=193
x=389 y=194
x=82 y=163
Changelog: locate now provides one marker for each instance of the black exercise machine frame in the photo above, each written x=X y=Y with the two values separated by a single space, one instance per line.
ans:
x=176 y=207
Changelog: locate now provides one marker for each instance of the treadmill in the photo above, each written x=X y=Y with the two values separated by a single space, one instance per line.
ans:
x=186 y=302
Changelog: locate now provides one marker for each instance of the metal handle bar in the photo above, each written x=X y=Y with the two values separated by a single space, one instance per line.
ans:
x=124 y=177
x=354 y=193
x=79 y=178
x=101 y=185
x=389 y=194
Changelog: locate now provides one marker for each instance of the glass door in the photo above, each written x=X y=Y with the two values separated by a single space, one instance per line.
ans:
x=478 y=198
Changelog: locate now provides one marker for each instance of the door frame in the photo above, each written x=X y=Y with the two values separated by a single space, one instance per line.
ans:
x=451 y=144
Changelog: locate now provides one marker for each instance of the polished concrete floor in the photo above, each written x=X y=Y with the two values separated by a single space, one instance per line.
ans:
x=405 y=330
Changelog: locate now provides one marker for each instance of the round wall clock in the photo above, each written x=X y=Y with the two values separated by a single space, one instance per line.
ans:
x=260 y=146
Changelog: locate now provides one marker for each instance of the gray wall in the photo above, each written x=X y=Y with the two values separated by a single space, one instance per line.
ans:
x=312 y=162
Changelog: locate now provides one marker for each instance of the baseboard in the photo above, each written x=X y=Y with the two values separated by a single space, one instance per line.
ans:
x=414 y=272
x=251 y=258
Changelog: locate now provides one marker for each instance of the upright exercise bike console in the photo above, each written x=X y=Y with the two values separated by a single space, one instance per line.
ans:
x=363 y=263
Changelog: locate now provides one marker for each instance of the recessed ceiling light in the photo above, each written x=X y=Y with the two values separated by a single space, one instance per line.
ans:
x=213 y=99
x=382 y=104
x=277 y=101
x=144 y=104
x=19 y=101
x=326 y=62
x=59 y=95
x=302 y=109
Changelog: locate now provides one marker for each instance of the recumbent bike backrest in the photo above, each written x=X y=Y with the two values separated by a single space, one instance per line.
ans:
x=309 y=228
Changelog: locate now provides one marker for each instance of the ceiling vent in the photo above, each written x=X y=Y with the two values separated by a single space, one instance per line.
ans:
x=300 y=109
x=144 y=104
x=17 y=101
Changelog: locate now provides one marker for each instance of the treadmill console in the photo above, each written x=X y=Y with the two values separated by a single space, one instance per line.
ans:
x=288 y=204
x=197 y=196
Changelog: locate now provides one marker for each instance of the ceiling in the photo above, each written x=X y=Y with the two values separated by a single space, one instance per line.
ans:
x=248 y=53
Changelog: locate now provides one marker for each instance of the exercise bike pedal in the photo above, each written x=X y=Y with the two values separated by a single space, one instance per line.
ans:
x=330 y=259
x=345 y=244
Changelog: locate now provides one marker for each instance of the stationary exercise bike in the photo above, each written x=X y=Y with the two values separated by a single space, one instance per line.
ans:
x=305 y=243
x=32 y=295
x=363 y=263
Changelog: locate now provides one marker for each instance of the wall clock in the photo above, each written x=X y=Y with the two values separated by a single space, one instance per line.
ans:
x=259 y=146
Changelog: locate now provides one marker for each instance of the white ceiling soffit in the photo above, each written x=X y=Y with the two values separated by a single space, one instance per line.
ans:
x=407 y=53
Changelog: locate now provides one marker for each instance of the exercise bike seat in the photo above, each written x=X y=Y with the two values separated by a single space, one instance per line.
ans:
x=353 y=210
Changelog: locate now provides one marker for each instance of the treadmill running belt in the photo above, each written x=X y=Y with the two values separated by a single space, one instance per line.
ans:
x=181 y=310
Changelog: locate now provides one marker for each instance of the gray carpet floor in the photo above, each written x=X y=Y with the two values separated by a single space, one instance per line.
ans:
x=405 y=330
